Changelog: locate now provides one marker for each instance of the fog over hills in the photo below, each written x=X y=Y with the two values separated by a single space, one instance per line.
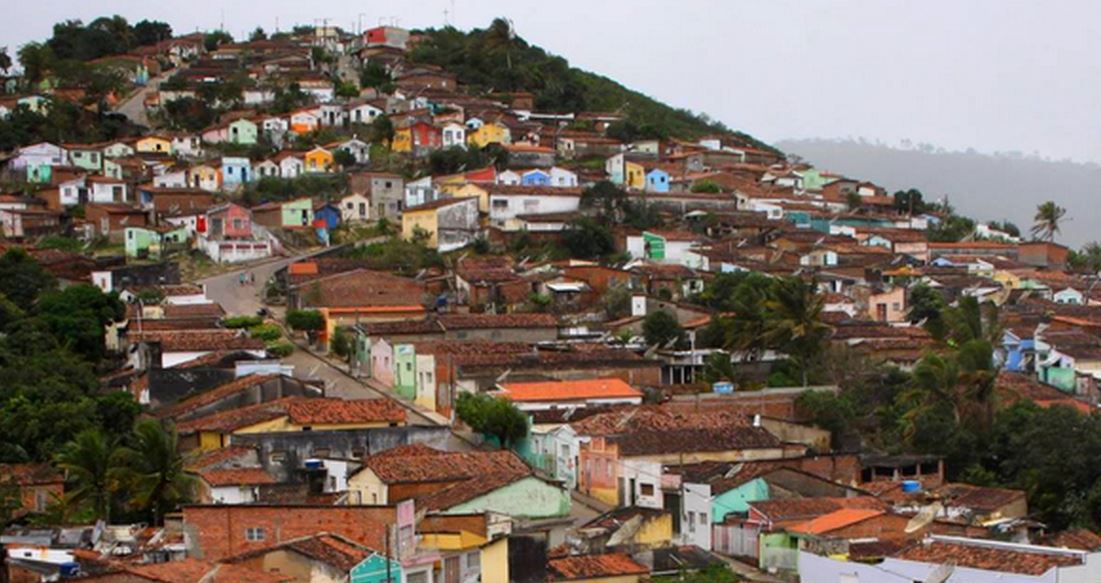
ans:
x=983 y=186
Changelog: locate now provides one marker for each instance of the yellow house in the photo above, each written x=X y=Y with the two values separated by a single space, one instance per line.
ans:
x=467 y=190
x=153 y=145
x=423 y=218
x=319 y=160
x=204 y=176
x=489 y=133
x=292 y=414
x=462 y=534
x=1007 y=278
x=403 y=140
x=634 y=175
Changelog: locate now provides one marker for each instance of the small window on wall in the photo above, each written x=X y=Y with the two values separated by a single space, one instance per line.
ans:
x=646 y=489
x=254 y=534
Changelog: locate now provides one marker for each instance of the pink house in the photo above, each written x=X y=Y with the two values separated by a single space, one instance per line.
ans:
x=228 y=221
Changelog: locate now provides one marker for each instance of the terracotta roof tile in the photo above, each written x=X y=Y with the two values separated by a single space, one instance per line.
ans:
x=198 y=340
x=362 y=288
x=593 y=567
x=229 y=421
x=340 y=411
x=236 y=477
x=329 y=549
x=219 y=392
x=1079 y=538
x=803 y=509
x=987 y=557
x=835 y=520
x=611 y=388
x=29 y=474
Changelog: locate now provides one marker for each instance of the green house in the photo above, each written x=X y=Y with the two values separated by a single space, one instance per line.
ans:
x=241 y=131
x=528 y=497
x=373 y=569
x=405 y=370
x=86 y=157
x=737 y=499
x=298 y=213
x=154 y=242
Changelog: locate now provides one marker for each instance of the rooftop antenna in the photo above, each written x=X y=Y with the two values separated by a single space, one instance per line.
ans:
x=222 y=22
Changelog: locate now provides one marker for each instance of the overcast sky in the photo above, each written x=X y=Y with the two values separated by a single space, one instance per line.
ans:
x=994 y=75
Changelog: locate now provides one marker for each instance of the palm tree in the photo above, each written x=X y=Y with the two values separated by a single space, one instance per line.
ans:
x=153 y=470
x=89 y=464
x=1047 y=219
x=794 y=322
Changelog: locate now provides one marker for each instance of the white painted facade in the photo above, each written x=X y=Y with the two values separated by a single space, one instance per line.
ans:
x=503 y=208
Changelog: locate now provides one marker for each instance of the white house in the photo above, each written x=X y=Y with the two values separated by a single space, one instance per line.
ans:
x=291 y=164
x=40 y=154
x=265 y=169
x=187 y=145
x=176 y=178
x=562 y=178
x=666 y=247
x=104 y=189
x=355 y=207
x=304 y=121
x=508 y=202
x=72 y=191
x=118 y=150
x=1069 y=296
x=509 y=177
x=363 y=112
x=420 y=191
x=331 y=114
x=359 y=149
x=453 y=135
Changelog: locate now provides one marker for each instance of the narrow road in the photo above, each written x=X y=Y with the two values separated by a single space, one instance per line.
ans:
x=133 y=107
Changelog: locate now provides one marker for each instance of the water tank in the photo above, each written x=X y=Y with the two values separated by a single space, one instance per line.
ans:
x=314 y=464
x=911 y=486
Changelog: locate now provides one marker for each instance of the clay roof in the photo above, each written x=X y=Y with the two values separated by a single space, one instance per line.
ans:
x=513 y=320
x=593 y=567
x=438 y=203
x=1079 y=538
x=326 y=548
x=1005 y=558
x=198 y=340
x=362 y=288
x=521 y=190
x=835 y=520
x=191 y=570
x=610 y=388
x=803 y=509
x=1023 y=386
x=643 y=443
x=980 y=498
x=236 y=477
x=33 y=474
x=216 y=457
x=231 y=420
x=193 y=310
x=418 y=463
x=654 y=418
x=340 y=411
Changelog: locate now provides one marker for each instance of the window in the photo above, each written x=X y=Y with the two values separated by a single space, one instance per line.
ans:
x=389 y=184
x=608 y=468
x=646 y=489
x=472 y=561
x=499 y=203
x=254 y=534
x=408 y=367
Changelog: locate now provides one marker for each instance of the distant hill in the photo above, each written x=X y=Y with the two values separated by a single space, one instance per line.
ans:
x=983 y=186
x=494 y=59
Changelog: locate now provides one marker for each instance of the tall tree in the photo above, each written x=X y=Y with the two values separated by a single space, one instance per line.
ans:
x=22 y=279
x=794 y=322
x=1047 y=221
x=90 y=463
x=151 y=32
x=5 y=60
x=36 y=59
x=153 y=470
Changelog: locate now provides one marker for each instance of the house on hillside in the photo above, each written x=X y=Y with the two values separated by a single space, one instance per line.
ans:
x=448 y=223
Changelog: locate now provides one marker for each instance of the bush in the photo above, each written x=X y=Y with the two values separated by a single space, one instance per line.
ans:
x=305 y=320
x=341 y=343
x=266 y=332
x=492 y=416
x=280 y=349
x=242 y=321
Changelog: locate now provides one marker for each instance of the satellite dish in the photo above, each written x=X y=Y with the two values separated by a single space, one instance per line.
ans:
x=924 y=516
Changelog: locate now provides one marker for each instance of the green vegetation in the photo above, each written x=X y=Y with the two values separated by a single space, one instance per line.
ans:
x=660 y=328
x=494 y=59
x=714 y=573
x=587 y=239
x=305 y=320
x=1048 y=220
x=267 y=332
x=492 y=416
x=242 y=321
x=269 y=189
x=397 y=254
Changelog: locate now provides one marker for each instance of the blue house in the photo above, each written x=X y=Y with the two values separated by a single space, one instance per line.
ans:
x=535 y=178
x=1019 y=348
x=236 y=170
x=657 y=180
x=328 y=213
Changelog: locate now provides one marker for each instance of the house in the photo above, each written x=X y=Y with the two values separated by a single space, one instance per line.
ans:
x=187 y=145
x=1043 y=254
x=242 y=131
x=386 y=192
x=321 y=557
x=448 y=223
x=489 y=133
x=153 y=144
x=107 y=190
x=175 y=200
x=389 y=36
x=204 y=176
x=235 y=171
x=154 y=242
x=170 y=348
x=327 y=215
x=304 y=121
x=888 y=305
x=291 y=163
x=228 y=221
x=265 y=169
x=635 y=528
x=331 y=114
x=23 y=223
x=86 y=156
x=363 y=112
x=32 y=487
x=506 y=203
x=530 y=155
x=262 y=525
x=111 y=220
x=37 y=160
x=294 y=214
x=360 y=295
x=667 y=247
x=457 y=482
x=453 y=135
x=657 y=180
x=534 y=396
x=418 y=138
x=355 y=208
x=318 y=160
x=360 y=150
x=226 y=235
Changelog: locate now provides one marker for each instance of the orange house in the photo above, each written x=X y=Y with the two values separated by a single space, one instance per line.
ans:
x=319 y=160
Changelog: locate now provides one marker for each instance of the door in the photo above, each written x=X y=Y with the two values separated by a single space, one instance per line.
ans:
x=305 y=218
x=881 y=312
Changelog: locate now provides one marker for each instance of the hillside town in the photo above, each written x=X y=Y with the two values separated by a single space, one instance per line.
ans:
x=371 y=306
